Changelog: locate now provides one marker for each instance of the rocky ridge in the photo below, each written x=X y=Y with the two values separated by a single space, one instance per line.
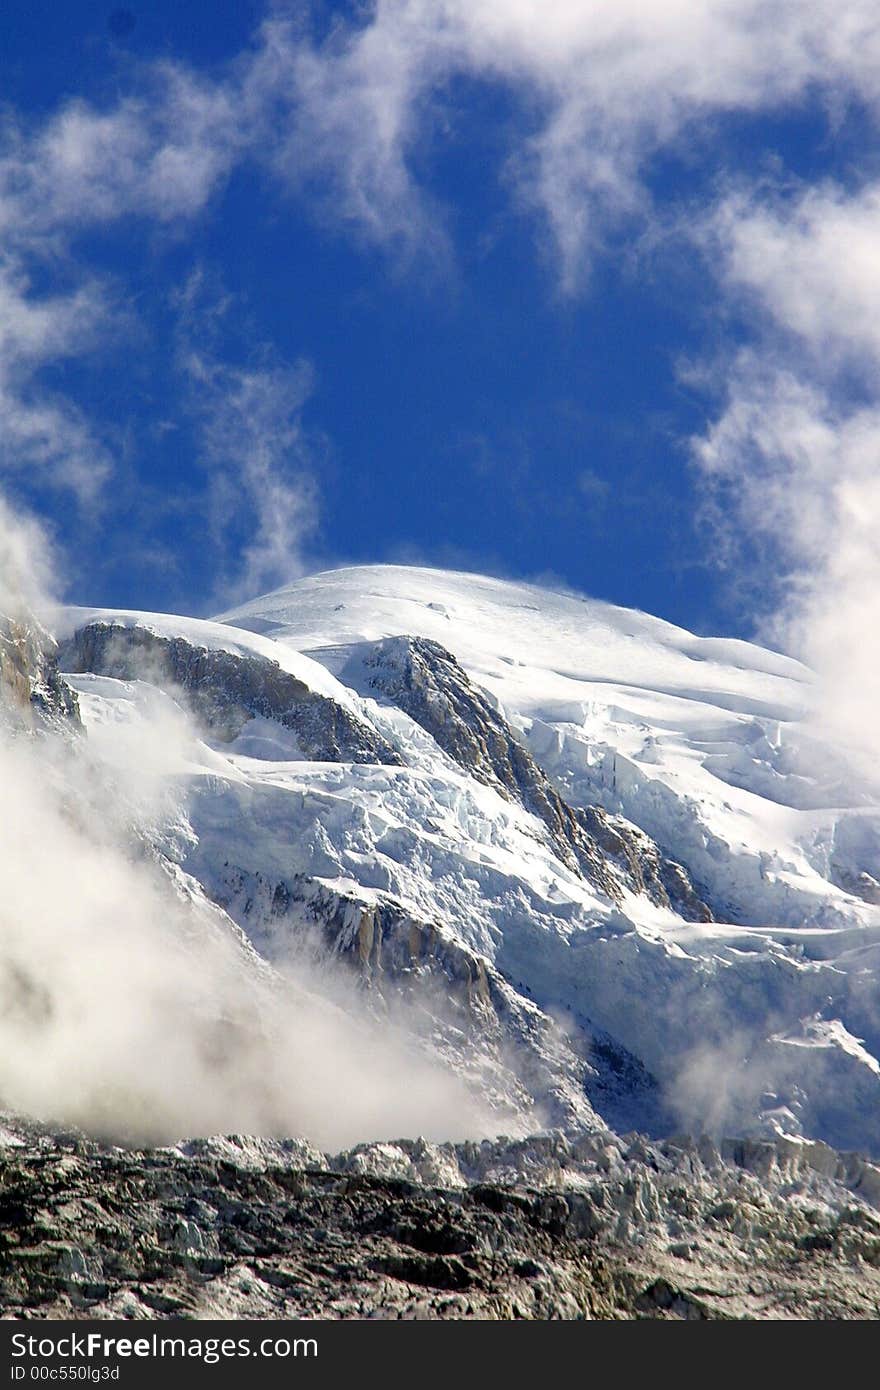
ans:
x=225 y=691
x=544 y=1228
x=420 y=677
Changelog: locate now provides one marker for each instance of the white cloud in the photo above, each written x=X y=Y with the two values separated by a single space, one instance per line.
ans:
x=259 y=461
x=40 y=429
x=811 y=266
x=54 y=437
x=160 y=154
x=601 y=87
x=351 y=119
x=795 y=451
x=27 y=564
x=160 y=158
x=157 y=155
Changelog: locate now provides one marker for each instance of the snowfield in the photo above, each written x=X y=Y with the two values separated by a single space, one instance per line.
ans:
x=568 y=1001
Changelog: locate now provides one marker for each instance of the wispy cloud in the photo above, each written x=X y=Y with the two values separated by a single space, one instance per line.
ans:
x=262 y=488
x=155 y=156
x=601 y=89
x=40 y=429
x=808 y=262
x=159 y=153
x=158 y=156
x=351 y=120
x=28 y=564
x=352 y=114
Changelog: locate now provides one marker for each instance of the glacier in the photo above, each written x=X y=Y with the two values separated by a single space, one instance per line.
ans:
x=606 y=872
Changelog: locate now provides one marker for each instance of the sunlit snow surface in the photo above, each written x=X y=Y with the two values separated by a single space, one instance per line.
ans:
x=768 y=1018
x=701 y=741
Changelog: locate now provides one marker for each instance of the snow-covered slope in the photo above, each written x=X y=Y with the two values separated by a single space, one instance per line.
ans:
x=215 y=637
x=598 y=864
x=701 y=741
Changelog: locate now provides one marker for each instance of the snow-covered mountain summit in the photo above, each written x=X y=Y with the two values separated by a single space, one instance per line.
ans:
x=628 y=711
x=597 y=866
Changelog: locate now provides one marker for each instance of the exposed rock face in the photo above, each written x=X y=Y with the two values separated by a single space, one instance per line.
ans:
x=397 y=957
x=644 y=868
x=861 y=884
x=31 y=690
x=538 y=1229
x=423 y=679
x=225 y=690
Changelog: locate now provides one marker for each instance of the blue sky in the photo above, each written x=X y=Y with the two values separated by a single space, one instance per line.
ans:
x=556 y=290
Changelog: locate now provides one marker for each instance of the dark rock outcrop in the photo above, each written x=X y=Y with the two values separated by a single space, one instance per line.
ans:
x=539 y=1228
x=225 y=691
x=398 y=957
x=427 y=683
x=96 y=1233
x=858 y=882
x=31 y=690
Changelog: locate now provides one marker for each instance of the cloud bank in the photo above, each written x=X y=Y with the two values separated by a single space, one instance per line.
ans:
x=795 y=450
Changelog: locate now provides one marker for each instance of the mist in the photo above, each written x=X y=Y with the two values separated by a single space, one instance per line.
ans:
x=139 y=1015
x=133 y=1007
